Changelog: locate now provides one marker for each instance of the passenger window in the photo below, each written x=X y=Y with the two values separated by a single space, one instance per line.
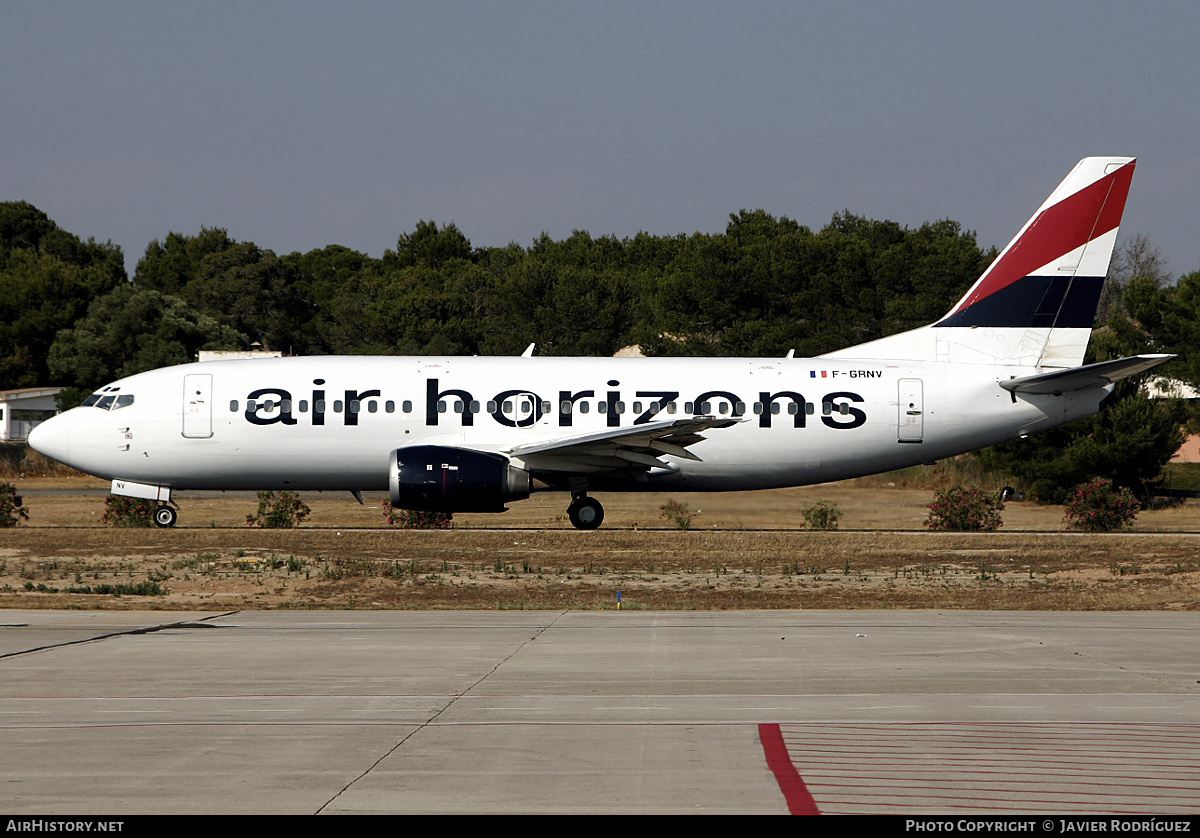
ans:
x=584 y=407
x=233 y=406
x=546 y=407
x=507 y=406
x=491 y=407
x=337 y=405
x=637 y=407
x=474 y=406
x=286 y=405
x=564 y=406
x=407 y=406
x=389 y=406
x=355 y=405
x=372 y=406
x=304 y=405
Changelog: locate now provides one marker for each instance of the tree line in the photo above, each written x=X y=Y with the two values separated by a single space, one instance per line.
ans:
x=70 y=316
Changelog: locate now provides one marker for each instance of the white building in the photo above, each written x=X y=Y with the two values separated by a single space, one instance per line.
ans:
x=235 y=354
x=23 y=410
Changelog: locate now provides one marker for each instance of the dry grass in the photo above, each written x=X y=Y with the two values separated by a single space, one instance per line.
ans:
x=344 y=559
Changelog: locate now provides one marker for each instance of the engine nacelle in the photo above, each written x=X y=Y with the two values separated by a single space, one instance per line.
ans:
x=437 y=478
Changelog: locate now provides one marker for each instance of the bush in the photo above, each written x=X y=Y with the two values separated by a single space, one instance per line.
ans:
x=677 y=514
x=964 y=509
x=11 y=510
x=279 y=510
x=822 y=515
x=122 y=511
x=416 y=519
x=1099 y=506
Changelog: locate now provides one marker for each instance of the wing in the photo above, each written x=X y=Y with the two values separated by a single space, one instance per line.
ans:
x=638 y=446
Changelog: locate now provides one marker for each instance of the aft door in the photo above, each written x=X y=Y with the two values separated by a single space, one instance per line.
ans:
x=197 y=406
x=911 y=409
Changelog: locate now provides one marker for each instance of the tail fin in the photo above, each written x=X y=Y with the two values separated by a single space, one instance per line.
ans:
x=1035 y=304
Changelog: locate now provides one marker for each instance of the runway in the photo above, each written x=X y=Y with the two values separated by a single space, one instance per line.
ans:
x=905 y=712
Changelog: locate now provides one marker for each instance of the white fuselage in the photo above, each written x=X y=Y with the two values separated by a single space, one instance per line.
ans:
x=331 y=422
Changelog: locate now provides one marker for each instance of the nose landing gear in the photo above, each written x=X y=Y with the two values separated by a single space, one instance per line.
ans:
x=164 y=515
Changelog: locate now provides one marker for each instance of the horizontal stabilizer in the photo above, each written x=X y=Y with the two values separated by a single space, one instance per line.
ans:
x=1084 y=378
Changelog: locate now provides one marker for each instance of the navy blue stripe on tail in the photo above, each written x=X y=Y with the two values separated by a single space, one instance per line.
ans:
x=1057 y=302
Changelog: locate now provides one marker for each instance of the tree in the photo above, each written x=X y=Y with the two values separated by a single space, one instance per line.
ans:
x=1136 y=258
x=129 y=331
x=1127 y=442
x=429 y=246
x=253 y=292
x=47 y=279
x=170 y=265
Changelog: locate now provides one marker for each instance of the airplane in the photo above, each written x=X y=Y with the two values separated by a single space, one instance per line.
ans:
x=472 y=434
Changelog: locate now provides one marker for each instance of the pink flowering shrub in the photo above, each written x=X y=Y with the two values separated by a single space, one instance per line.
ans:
x=121 y=511
x=1099 y=506
x=964 y=509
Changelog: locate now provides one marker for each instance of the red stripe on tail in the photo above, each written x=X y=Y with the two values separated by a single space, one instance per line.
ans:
x=1072 y=222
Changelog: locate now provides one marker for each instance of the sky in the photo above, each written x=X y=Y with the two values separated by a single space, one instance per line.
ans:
x=297 y=125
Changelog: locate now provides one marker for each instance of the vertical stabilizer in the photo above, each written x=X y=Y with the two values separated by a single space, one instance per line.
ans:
x=1035 y=304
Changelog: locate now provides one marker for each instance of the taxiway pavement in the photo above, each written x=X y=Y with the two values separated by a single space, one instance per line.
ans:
x=120 y=713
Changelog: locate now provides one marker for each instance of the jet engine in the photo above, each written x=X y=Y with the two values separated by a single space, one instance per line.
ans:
x=437 y=478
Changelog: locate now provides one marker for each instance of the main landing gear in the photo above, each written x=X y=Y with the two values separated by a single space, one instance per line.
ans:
x=164 y=515
x=585 y=513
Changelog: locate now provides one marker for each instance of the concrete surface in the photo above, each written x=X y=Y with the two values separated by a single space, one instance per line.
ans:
x=390 y=712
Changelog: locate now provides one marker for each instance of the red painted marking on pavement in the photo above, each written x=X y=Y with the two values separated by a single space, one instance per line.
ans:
x=799 y=801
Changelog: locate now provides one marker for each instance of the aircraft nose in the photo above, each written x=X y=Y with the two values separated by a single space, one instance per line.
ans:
x=52 y=438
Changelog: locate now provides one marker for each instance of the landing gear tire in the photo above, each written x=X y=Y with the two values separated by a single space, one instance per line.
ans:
x=164 y=516
x=585 y=513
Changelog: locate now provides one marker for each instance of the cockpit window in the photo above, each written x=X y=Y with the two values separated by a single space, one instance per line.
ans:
x=108 y=399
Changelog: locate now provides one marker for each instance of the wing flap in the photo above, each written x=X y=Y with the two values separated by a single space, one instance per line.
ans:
x=637 y=446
